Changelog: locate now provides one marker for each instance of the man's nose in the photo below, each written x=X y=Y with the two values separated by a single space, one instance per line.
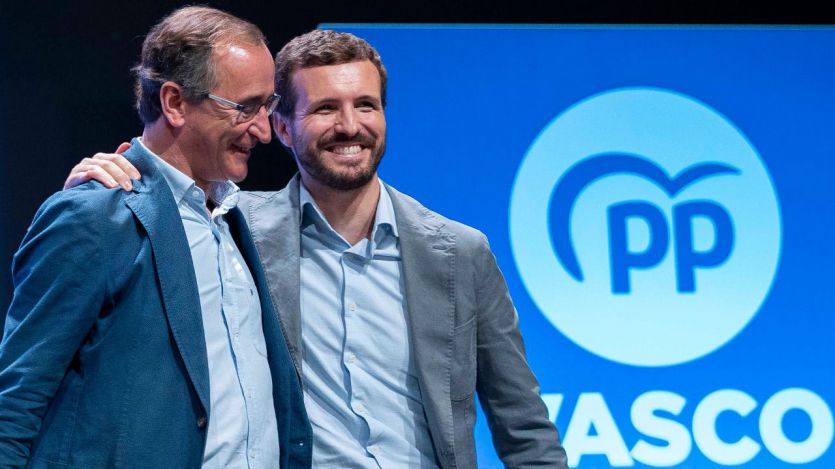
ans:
x=346 y=122
x=260 y=126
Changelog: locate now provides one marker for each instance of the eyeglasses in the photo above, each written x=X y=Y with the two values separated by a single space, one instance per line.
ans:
x=247 y=112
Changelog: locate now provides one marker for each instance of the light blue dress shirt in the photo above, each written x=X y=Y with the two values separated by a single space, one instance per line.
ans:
x=360 y=383
x=242 y=431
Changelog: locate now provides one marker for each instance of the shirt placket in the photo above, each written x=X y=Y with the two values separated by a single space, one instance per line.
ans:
x=353 y=265
x=231 y=308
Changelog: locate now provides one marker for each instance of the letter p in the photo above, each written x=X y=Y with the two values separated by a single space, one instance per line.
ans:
x=621 y=258
x=687 y=257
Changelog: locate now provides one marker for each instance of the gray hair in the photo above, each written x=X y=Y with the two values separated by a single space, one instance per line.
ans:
x=179 y=49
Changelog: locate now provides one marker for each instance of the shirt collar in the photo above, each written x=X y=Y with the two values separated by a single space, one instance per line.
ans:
x=385 y=213
x=384 y=219
x=224 y=193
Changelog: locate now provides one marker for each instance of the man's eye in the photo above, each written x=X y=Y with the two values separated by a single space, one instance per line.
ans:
x=367 y=106
x=250 y=109
x=325 y=108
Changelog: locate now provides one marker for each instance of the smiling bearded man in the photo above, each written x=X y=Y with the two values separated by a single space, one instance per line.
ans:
x=395 y=317
x=403 y=314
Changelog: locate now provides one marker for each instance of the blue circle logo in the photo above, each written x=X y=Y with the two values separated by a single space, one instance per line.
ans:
x=645 y=226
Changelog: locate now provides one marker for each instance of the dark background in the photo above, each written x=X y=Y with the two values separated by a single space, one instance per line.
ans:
x=66 y=90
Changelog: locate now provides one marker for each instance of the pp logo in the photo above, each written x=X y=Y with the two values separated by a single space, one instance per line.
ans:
x=645 y=226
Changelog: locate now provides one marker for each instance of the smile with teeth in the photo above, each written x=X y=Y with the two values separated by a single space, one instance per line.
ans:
x=346 y=150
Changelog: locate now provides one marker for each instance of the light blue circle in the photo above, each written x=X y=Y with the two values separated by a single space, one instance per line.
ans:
x=654 y=324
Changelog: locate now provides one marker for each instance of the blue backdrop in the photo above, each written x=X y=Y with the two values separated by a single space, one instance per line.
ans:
x=659 y=201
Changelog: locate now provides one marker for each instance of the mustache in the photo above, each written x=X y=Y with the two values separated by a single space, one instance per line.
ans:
x=360 y=138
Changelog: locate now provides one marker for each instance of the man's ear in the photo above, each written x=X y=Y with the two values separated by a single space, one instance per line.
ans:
x=173 y=103
x=282 y=130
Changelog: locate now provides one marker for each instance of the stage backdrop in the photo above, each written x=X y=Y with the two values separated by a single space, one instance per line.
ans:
x=660 y=200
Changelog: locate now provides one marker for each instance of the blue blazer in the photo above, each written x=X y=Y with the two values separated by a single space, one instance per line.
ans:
x=103 y=360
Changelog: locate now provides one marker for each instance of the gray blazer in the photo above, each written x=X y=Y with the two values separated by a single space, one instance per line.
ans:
x=462 y=321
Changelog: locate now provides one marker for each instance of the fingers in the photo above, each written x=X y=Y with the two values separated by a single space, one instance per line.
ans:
x=122 y=167
x=77 y=177
x=124 y=163
x=87 y=172
x=99 y=169
x=110 y=169
x=123 y=147
x=106 y=169
x=82 y=173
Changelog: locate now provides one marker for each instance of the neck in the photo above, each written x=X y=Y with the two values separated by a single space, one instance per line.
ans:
x=162 y=140
x=350 y=213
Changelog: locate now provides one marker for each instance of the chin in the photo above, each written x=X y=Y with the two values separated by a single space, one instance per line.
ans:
x=236 y=175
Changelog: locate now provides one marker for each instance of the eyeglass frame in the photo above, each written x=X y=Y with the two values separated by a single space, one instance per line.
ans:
x=270 y=105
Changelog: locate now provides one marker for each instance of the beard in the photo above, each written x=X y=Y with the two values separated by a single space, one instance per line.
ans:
x=342 y=178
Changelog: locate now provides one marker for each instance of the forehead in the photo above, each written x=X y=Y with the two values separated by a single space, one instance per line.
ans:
x=346 y=80
x=244 y=70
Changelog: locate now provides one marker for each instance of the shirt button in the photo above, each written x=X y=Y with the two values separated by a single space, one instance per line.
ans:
x=359 y=408
x=196 y=193
x=373 y=449
x=201 y=422
x=352 y=306
x=352 y=358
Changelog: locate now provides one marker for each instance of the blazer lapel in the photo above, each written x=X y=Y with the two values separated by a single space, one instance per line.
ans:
x=428 y=254
x=273 y=220
x=153 y=205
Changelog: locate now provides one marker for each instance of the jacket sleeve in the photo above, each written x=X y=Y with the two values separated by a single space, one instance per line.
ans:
x=507 y=389
x=59 y=276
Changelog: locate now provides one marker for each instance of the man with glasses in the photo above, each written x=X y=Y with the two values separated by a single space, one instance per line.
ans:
x=395 y=317
x=141 y=333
